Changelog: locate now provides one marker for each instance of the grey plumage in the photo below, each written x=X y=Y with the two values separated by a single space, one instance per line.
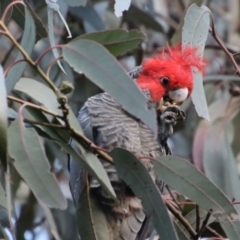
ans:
x=105 y=123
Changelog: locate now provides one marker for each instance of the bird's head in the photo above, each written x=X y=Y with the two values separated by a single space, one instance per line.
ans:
x=168 y=74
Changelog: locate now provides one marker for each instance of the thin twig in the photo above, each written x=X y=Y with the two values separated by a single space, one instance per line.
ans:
x=8 y=8
x=28 y=58
x=11 y=65
x=214 y=232
x=221 y=44
x=204 y=224
x=181 y=219
x=174 y=199
x=46 y=51
x=197 y=218
x=52 y=64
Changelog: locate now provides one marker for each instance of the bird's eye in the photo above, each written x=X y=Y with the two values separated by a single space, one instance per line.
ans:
x=165 y=81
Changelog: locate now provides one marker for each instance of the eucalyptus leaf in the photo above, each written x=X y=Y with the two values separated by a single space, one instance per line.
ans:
x=194 y=34
x=134 y=174
x=51 y=34
x=231 y=228
x=182 y=235
x=26 y=149
x=104 y=70
x=51 y=222
x=20 y=18
x=117 y=41
x=41 y=30
x=44 y=95
x=188 y=180
x=91 y=221
x=3 y=120
x=27 y=43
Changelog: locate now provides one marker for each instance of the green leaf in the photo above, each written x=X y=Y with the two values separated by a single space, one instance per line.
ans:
x=26 y=149
x=51 y=34
x=182 y=235
x=136 y=15
x=44 y=95
x=76 y=3
x=51 y=222
x=231 y=228
x=39 y=92
x=100 y=67
x=27 y=43
x=92 y=164
x=191 y=218
x=134 y=174
x=3 y=200
x=41 y=30
x=188 y=180
x=3 y=120
x=91 y=221
x=195 y=32
x=20 y=18
x=117 y=41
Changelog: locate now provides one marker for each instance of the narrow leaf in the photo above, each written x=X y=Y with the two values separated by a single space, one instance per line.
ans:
x=41 y=30
x=117 y=41
x=103 y=69
x=182 y=235
x=39 y=92
x=27 y=43
x=19 y=17
x=189 y=181
x=231 y=228
x=195 y=32
x=51 y=221
x=51 y=35
x=134 y=174
x=92 y=164
x=26 y=149
x=44 y=95
x=91 y=221
x=3 y=120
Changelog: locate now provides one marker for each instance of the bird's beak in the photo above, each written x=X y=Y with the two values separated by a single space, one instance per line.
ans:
x=178 y=96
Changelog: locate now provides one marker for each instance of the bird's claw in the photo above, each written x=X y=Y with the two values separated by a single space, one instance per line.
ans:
x=172 y=114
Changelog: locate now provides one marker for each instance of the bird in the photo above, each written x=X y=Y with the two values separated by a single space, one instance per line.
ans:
x=166 y=80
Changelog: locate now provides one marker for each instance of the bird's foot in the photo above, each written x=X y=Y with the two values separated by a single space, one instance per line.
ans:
x=172 y=114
